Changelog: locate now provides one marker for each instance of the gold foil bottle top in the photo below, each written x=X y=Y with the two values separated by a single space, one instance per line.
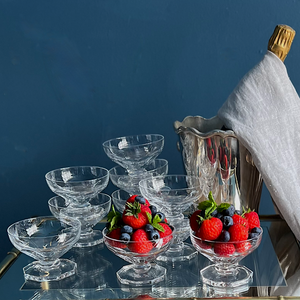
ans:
x=281 y=41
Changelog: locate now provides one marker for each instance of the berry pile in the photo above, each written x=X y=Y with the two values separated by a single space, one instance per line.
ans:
x=140 y=223
x=222 y=223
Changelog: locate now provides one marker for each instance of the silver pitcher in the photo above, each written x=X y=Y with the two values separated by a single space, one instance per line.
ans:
x=224 y=165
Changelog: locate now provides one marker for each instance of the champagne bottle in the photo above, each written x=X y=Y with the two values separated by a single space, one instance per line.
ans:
x=280 y=44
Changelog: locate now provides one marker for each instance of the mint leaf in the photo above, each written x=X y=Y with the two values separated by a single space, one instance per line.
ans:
x=158 y=227
x=208 y=206
x=113 y=218
x=156 y=219
x=149 y=216
x=223 y=206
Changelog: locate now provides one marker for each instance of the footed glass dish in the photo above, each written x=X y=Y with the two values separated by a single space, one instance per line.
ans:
x=128 y=182
x=226 y=271
x=78 y=184
x=95 y=210
x=46 y=239
x=119 y=198
x=143 y=270
x=134 y=152
x=172 y=195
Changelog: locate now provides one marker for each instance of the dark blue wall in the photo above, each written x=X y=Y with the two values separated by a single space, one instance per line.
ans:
x=75 y=73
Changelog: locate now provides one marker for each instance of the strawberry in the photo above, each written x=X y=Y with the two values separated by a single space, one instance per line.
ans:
x=253 y=219
x=238 y=232
x=167 y=231
x=140 y=242
x=224 y=249
x=115 y=234
x=210 y=229
x=195 y=221
x=203 y=245
x=242 y=246
x=132 y=199
x=135 y=215
x=237 y=219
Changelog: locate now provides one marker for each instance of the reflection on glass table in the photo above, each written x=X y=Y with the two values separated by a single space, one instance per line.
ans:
x=275 y=265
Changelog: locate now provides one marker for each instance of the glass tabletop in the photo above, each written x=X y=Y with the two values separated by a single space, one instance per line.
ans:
x=275 y=265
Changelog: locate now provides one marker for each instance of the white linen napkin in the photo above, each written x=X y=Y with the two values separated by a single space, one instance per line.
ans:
x=264 y=112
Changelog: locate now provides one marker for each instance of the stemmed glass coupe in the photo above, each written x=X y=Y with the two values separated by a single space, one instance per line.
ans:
x=172 y=195
x=80 y=189
x=46 y=239
x=136 y=156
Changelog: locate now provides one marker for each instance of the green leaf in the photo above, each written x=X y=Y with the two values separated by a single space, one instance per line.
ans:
x=223 y=206
x=156 y=219
x=149 y=216
x=158 y=227
x=210 y=197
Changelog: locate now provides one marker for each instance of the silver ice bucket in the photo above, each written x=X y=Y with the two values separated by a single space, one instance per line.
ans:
x=224 y=165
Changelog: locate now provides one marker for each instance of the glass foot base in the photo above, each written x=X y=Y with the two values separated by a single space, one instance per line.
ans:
x=241 y=277
x=130 y=275
x=184 y=252
x=91 y=239
x=60 y=270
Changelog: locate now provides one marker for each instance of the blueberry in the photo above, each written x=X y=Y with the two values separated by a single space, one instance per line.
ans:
x=256 y=230
x=219 y=215
x=161 y=216
x=224 y=236
x=127 y=229
x=148 y=228
x=252 y=235
x=214 y=213
x=202 y=213
x=237 y=212
x=125 y=237
x=153 y=235
x=140 y=199
x=229 y=211
x=227 y=221
x=153 y=209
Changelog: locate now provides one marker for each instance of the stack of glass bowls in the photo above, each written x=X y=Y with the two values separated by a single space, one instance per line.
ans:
x=136 y=157
x=79 y=196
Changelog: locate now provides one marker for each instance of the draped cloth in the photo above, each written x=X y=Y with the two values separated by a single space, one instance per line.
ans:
x=264 y=112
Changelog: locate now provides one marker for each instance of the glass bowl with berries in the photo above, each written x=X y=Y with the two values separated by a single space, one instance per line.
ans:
x=138 y=235
x=225 y=236
x=174 y=194
x=134 y=152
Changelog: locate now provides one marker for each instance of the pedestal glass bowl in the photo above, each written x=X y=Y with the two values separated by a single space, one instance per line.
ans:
x=119 y=198
x=142 y=270
x=172 y=195
x=128 y=182
x=134 y=152
x=226 y=271
x=88 y=216
x=78 y=184
x=45 y=239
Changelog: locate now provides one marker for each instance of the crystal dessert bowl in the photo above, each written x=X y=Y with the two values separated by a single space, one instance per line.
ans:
x=142 y=256
x=119 y=198
x=128 y=182
x=88 y=216
x=78 y=184
x=225 y=271
x=172 y=195
x=134 y=152
x=46 y=239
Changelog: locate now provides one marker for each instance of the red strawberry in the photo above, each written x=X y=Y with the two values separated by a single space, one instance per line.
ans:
x=115 y=234
x=224 y=249
x=238 y=232
x=210 y=229
x=132 y=199
x=193 y=220
x=135 y=215
x=203 y=245
x=139 y=242
x=167 y=231
x=237 y=219
x=253 y=219
x=242 y=246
